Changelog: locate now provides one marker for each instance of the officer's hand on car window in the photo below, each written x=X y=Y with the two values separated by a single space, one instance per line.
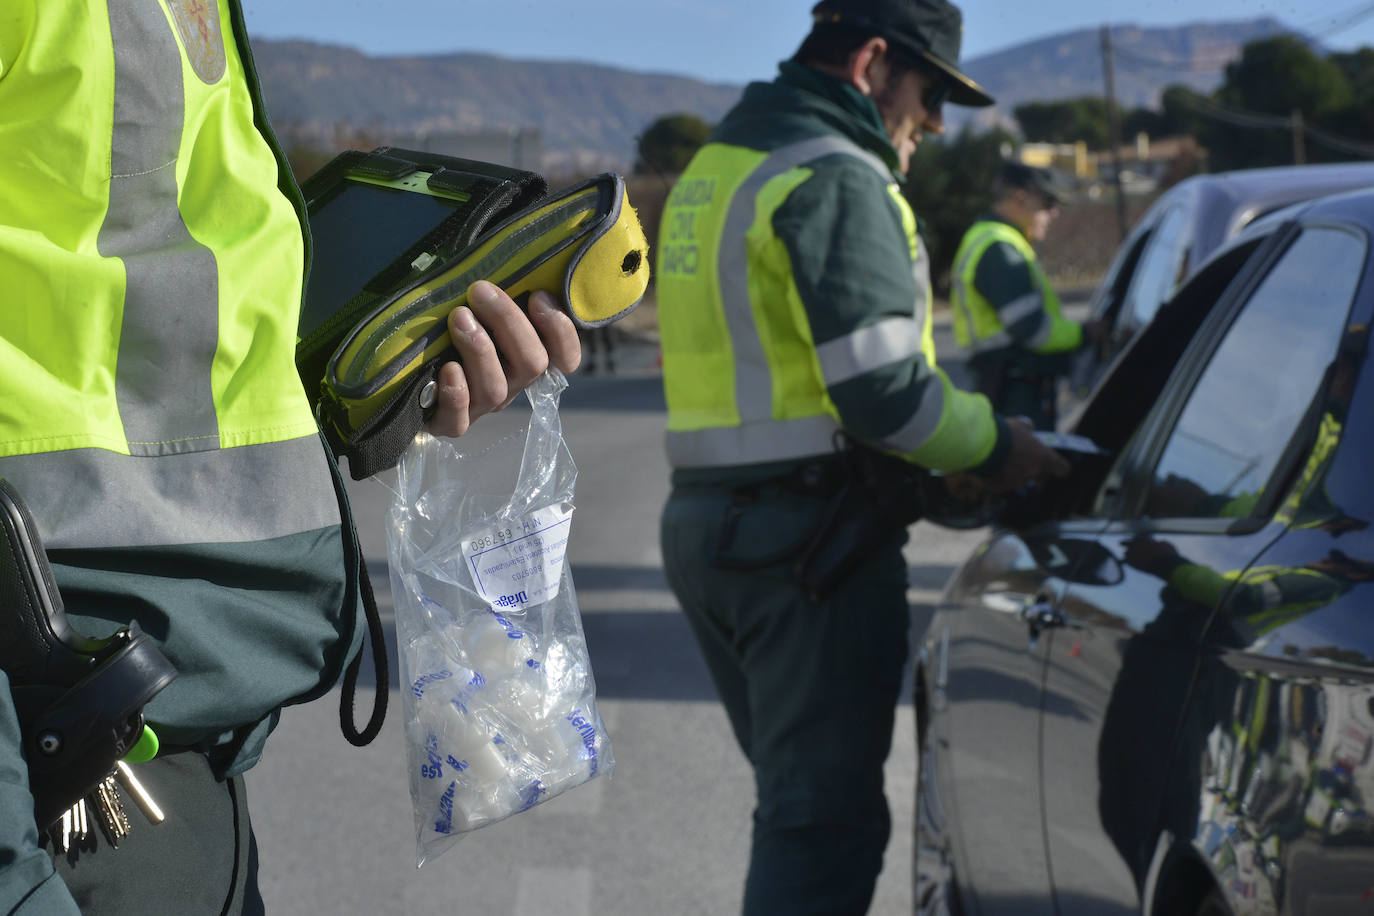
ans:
x=502 y=350
x=1030 y=461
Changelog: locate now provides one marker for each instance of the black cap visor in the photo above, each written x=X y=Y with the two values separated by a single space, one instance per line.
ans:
x=962 y=90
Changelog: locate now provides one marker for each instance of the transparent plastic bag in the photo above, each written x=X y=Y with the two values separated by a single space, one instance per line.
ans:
x=497 y=688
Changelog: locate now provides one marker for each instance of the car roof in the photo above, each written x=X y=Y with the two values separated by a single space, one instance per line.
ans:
x=1230 y=200
x=1353 y=206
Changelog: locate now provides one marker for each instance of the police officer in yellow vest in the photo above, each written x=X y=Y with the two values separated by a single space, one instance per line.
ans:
x=1006 y=315
x=153 y=248
x=794 y=313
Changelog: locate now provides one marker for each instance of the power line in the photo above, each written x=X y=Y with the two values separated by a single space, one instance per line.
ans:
x=1257 y=121
x=1321 y=27
x=1340 y=21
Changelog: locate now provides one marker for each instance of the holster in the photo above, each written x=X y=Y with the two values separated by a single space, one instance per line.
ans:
x=583 y=244
x=79 y=700
x=869 y=497
x=880 y=496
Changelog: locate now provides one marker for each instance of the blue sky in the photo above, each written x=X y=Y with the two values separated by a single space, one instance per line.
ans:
x=730 y=41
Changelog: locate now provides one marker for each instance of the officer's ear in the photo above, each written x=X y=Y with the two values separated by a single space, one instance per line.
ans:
x=868 y=67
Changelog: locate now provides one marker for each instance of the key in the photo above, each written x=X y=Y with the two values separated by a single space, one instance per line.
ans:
x=140 y=794
x=117 y=805
x=64 y=831
x=109 y=816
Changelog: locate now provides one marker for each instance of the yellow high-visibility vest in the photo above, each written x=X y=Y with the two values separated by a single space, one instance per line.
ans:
x=153 y=272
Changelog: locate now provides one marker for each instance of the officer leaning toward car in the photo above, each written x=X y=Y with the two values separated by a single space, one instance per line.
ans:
x=1006 y=315
x=794 y=313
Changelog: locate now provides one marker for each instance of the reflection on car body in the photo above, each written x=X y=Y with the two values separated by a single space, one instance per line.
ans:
x=1151 y=689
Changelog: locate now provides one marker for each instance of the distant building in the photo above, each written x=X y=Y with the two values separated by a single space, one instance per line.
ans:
x=1146 y=165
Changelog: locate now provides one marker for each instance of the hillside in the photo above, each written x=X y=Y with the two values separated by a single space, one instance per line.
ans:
x=1145 y=62
x=588 y=115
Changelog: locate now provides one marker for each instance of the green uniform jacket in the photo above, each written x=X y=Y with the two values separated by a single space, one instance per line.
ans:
x=153 y=248
x=794 y=296
x=1001 y=300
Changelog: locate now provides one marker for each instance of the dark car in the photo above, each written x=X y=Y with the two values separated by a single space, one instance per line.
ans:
x=1151 y=687
x=1180 y=231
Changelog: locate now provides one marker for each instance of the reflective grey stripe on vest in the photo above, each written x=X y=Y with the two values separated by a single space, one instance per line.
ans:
x=177 y=486
x=95 y=498
x=917 y=430
x=1018 y=310
x=759 y=437
x=776 y=440
x=171 y=305
x=889 y=341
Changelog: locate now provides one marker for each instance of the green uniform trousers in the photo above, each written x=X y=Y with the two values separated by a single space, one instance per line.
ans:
x=810 y=690
x=202 y=859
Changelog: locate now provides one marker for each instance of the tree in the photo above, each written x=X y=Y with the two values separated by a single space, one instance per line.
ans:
x=1065 y=121
x=1143 y=121
x=669 y=144
x=1357 y=118
x=1181 y=110
x=1280 y=74
x=1277 y=77
x=950 y=187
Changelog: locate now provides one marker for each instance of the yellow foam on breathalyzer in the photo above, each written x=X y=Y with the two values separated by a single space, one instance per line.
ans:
x=612 y=271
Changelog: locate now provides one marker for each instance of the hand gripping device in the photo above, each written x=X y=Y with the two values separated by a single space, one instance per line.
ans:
x=79 y=700
x=583 y=244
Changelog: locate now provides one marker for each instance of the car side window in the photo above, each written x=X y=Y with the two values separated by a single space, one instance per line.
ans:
x=1260 y=381
x=1161 y=268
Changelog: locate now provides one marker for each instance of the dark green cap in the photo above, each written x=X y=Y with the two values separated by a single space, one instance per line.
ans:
x=1020 y=175
x=930 y=30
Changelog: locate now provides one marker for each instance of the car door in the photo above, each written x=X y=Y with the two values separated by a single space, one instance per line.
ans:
x=984 y=657
x=1190 y=504
x=983 y=746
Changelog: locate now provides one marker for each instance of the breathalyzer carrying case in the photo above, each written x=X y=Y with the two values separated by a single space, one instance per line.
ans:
x=584 y=244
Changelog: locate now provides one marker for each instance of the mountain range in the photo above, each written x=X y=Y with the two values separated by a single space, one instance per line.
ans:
x=587 y=116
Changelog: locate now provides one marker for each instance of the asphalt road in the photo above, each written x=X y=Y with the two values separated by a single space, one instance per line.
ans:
x=668 y=833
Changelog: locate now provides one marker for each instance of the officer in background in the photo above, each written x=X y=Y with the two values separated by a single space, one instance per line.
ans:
x=152 y=419
x=794 y=312
x=1006 y=315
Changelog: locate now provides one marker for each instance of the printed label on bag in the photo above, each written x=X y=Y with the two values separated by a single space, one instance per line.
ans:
x=520 y=564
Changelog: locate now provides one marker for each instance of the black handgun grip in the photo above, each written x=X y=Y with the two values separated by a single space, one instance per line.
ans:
x=37 y=645
x=79 y=700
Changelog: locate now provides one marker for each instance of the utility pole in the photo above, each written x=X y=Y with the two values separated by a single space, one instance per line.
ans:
x=1299 y=138
x=1114 y=130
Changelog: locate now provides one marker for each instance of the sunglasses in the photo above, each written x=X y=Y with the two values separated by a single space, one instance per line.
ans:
x=940 y=85
x=936 y=96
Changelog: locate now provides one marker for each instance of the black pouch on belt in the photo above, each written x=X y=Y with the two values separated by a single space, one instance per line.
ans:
x=880 y=496
x=79 y=700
